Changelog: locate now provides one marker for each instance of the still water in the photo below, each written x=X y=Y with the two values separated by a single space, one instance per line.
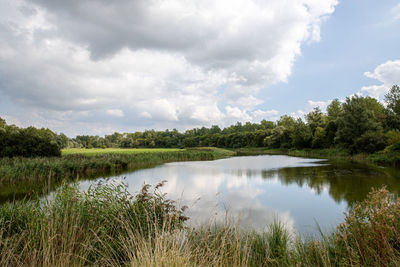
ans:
x=303 y=193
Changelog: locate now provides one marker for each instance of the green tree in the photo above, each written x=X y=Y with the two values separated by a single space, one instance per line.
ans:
x=315 y=119
x=320 y=138
x=288 y=125
x=358 y=116
x=333 y=110
x=266 y=125
x=2 y=123
x=301 y=135
x=392 y=99
x=277 y=138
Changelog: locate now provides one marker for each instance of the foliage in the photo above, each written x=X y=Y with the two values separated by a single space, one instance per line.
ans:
x=333 y=110
x=28 y=142
x=315 y=119
x=370 y=235
x=77 y=228
x=370 y=142
x=357 y=117
x=320 y=138
x=348 y=125
x=107 y=226
x=35 y=172
x=392 y=98
x=393 y=137
x=301 y=135
x=390 y=157
x=102 y=151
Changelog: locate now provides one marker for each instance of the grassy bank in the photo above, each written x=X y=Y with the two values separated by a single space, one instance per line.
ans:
x=109 y=227
x=32 y=174
x=101 y=151
x=380 y=158
x=88 y=163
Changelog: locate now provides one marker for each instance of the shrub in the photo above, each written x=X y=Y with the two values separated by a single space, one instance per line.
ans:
x=370 y=235
x=369 y=142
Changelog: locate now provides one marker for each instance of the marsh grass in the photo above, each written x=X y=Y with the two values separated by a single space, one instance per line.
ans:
x=100 y=151
x=389 y=158
x=37 y=172
x=107 y=226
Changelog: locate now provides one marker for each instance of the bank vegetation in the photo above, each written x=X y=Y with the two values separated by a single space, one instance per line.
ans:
x=107 y=226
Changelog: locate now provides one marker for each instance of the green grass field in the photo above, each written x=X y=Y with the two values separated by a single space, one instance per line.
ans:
x=100 y=151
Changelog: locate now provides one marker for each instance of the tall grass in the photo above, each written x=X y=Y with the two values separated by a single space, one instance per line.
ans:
x=38 y=171
x=389 y=158
x=107 y=226
x=99 y=151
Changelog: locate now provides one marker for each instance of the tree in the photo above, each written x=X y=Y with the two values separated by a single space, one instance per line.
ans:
x=277 y=138
x=302 y=135
x=357 y=117
x=370 y=142
x=288 y=125
x=2 y=123
x=392 y=99
x=315 y=119
x=28 y=142
x=333 y=110
x=265 y=125
x=320 y=138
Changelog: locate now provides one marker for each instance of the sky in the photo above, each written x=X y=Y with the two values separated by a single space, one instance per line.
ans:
x=99 y=66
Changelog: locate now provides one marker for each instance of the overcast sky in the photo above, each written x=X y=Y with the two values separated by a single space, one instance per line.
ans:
x=99 y=66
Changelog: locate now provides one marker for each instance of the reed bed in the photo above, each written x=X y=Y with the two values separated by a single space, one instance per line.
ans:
x=17 y=169
x=107 y=226
x=99 y=151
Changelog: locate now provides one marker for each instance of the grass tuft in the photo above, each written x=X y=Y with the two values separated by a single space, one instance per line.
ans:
x=107 y=226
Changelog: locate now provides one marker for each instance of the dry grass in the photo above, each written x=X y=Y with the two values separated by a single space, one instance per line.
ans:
x=109 y=227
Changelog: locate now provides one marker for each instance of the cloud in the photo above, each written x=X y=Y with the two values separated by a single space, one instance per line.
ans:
x=259 y=115
x=309 y=107
x=387 y=74
x=10 y=120
x=169 y=63
x=115 y=112
x=395 y=13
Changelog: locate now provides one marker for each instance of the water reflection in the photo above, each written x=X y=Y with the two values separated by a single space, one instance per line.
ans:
x=258 y=189
x=344 y=181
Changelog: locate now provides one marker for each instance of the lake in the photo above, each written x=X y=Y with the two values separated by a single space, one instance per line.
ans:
x=303 y=193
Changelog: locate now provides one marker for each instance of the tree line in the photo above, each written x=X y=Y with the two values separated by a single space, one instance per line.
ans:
x=28 y=142
x=358 y=124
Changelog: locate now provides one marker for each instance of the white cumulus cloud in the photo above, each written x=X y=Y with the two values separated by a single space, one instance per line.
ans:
x=388 y=74
x=310 y=106
x=147 y=63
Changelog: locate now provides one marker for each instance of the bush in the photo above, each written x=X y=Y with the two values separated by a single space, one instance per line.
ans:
x=370 y=235
x=107 y=226
x=80 y=229
x=28 y=142
x=369 y=142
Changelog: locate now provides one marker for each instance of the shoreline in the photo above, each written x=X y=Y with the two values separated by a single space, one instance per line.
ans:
x=382 y=159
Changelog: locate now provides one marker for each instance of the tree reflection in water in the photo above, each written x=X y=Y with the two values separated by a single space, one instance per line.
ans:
x=348 y=182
